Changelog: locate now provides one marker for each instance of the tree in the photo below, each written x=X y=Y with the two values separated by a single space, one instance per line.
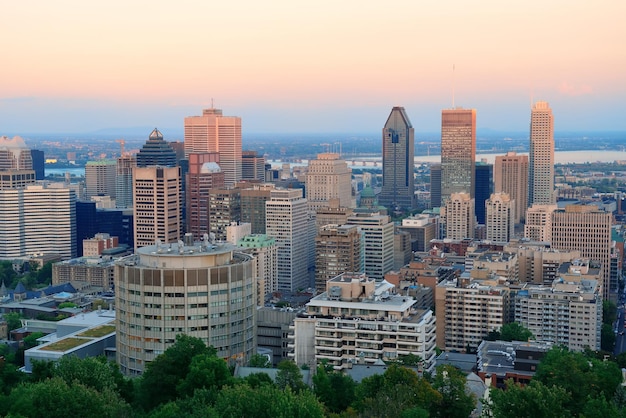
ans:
x=162 y=376
x=396 y=391
x=254 y=380
x=335 y=390
x=13 y=320
x=259 y=360
x=455 y=402
x=267 y=402
x=534 y=400
x=514 y=331
x=206 y=371
x=607 y=337
x=289 y=375
x=579 y=375
x=609 y=312
x=55 y=398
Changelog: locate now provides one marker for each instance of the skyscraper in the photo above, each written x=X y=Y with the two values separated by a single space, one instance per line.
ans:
x=338 y=248
x=253 y=198
x=156 y=151
x=100 y=178
x=435 y=185
x=224 y=209
x=483 y=188
x=124 y=181
x=328 y=177
x=156 y=205
x=14 y=154
x=377 y=233
x=398 y=191
x=541 y=168
x=213 y=132
x=252 y=166
x=458 y=152
x=39 y=163
x=500 y=217
x=510 y=176
x=287 y=222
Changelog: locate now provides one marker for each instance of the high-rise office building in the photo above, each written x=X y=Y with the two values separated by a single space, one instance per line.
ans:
x=100 y=178
x=458 y=152
x=124 y=181
x=156 y=205
x=328 y=177
x=377 y=233
x=38 y=219
x=338 y=248
x=435 y=185
x=541 y=167
x=156 y=151
x=587 y=229
x=483 y=188
x=500 y=220
x=253 y=198
x=39 y=163
x=204 y=174
x=213 y=132
x=287 y=222
x=398 y=191
x=200 y=290
x=460 y=219
x=252 y=166
x=510 y=175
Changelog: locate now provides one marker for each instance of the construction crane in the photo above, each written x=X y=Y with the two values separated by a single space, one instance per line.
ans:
x=121 y=142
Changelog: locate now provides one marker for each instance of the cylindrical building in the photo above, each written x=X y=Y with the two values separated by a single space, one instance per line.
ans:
x=203 y=290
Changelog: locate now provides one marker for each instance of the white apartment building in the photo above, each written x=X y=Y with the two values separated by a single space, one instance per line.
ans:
x=377 y=233
x=360 y=320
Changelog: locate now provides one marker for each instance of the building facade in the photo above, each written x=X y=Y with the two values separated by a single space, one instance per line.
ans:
x=541 y=163
x=214 y=132
x=100 y=178
x=458 y=152
x=338 y=248
x=203 y=175
x=500 y=221
x=460 y=220
x=328 y=177
x=398 y=190
x=202 y=290
x=510 y=175
x=377 y=233
x=156 y=205
x=360 y=320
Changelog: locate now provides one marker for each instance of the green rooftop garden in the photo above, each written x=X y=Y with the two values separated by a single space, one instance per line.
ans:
x=64 y=344
x=98 y=332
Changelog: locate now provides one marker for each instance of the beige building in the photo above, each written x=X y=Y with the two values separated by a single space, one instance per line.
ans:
x=329 y=177
x=510 y=175
x=333 y=214
x=96 y=271
x=156 y=205
x=93 y=247
x=14 y=154
x=538 y=226
x=568 y=313
x=541 y=164
x=202 y=290
x=459 y=216
x=458 y=152
x=467 y=310
x=538 y=263
x=378 y=233
x=214 y=132
x=500 y=217
x=100 y=178
x=587 y=229
x=360 y=320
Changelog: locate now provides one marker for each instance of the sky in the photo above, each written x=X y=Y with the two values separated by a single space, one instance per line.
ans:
x=310 y=66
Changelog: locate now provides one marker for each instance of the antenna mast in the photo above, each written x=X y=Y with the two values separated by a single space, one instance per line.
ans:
x=453 y=85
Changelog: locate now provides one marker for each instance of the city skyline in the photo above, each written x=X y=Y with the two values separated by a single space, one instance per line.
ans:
x=282 y=67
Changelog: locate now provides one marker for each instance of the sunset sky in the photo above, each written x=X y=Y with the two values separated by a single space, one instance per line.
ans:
x=302 y=66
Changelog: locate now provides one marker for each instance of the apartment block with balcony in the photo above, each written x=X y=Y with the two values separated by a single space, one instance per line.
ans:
x=360 y=320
